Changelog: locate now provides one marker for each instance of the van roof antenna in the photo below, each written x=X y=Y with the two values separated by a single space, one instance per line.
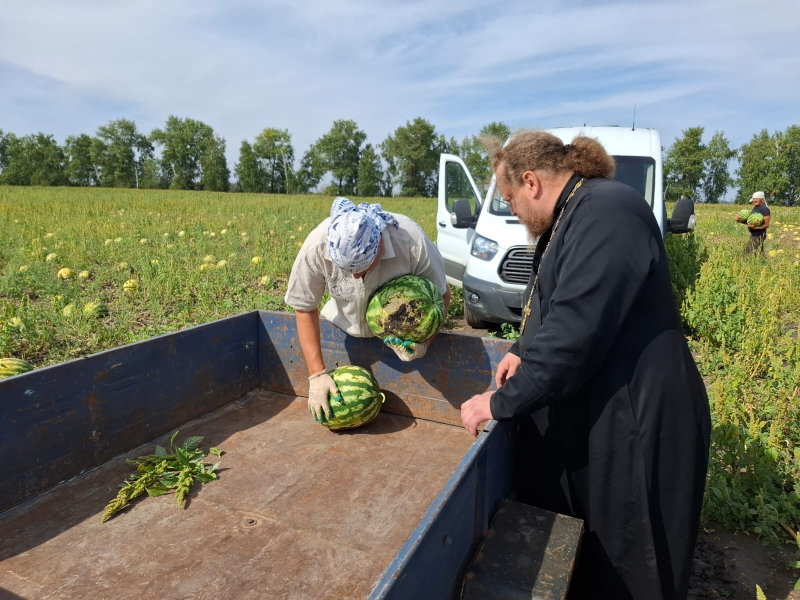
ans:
x=633 y=127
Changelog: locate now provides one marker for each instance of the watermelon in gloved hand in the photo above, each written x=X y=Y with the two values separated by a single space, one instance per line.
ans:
x=408 y=307
x=360 y=398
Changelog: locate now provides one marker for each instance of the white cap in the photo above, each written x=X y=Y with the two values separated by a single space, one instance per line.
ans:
x=758 y=195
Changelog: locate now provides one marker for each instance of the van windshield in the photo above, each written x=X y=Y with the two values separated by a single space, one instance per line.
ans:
x=639 y=172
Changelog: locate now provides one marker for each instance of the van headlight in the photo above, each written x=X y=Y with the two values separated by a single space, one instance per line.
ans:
x=484 y=248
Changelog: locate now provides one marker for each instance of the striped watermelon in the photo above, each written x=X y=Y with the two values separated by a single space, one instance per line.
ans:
x=408 y=307
x=743 y=214
x=96 y=310
x=361 y=398
x=13 y=366
x=755 y=219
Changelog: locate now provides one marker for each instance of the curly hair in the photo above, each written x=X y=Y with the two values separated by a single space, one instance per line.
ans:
x=541 y=151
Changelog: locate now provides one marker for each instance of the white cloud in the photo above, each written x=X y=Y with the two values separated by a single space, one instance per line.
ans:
x=244 y=65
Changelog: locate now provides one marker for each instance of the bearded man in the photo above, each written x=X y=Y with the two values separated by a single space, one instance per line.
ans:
x=611 y=412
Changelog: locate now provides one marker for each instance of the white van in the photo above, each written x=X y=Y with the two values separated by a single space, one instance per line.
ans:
x=486 y=249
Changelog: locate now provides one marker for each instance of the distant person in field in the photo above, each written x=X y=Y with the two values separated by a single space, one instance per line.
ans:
x=611 y=414
x=757 y=234
x=352 y=254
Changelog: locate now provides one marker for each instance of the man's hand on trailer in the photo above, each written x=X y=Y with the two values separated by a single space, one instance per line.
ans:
x=507 y=367
x=475 y=411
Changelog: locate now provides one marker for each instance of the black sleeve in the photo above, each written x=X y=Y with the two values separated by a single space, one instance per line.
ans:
x=605 y=260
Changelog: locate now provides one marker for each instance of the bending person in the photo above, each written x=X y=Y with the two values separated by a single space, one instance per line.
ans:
x=352 y=254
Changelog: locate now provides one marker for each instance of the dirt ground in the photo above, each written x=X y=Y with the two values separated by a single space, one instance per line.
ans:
x=726 y=565
x=459 y=325
x=730 y=565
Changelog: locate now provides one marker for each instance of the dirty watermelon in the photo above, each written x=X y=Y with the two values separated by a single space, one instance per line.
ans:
x=408 y=307
x=361 y=398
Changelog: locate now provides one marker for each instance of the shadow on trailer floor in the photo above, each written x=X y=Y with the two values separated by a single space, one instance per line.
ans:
x=298 y=512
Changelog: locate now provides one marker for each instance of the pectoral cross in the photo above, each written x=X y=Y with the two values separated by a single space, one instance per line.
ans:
x=527 y=310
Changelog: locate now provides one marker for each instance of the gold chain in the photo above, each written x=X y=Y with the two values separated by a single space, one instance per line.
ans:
x=527 y=310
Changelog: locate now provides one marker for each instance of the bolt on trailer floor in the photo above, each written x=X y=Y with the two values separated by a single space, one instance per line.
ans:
x=299 y=512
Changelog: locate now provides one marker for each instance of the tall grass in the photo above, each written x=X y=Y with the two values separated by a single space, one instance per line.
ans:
x=741 y=315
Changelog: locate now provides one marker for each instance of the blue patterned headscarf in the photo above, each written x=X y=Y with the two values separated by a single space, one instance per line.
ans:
x=354 y=233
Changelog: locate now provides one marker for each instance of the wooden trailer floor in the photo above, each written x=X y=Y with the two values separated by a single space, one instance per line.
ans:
x=298 y=512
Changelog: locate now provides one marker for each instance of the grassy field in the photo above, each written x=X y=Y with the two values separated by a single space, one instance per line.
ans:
x=196 y=257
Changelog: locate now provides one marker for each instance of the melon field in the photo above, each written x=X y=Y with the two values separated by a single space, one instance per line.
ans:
x=84 y=270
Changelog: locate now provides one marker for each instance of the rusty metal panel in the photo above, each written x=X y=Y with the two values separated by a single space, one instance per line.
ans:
x=454 y=369
x=59 y=421
x=528 y=553
x=432 y=562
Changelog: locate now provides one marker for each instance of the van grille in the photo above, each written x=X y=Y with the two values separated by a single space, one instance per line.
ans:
x=517 y=265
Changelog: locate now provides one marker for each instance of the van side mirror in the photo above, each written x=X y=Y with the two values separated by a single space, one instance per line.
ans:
x=462 y=217
x=683 y=219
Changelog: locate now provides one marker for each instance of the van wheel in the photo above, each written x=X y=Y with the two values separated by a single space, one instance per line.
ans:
x=473 y=320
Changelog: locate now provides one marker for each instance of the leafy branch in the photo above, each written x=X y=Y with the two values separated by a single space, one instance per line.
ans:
x=163 y=471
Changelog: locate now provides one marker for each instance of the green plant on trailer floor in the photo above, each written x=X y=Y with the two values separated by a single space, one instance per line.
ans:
x=163 y=471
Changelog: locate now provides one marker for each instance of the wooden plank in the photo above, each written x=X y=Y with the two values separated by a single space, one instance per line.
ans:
x=528 y=553
x=299 y=512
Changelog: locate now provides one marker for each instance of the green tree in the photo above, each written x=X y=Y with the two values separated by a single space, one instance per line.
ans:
x=684 y=164
x=33 y=160
x=152 y=177
x=338 y=152
x=716 y=177
x=791 y=151
x=83 y=165
x=412 y=158
x=474 y=155
x=215 y=173
x=251 y=177
x=47 y=160
x=9 y=146
x=762 y=166
x=4 y=137
x=275 y=154
x=120 y=153
x=184 y=143
x=310 y=173
x=370 y=173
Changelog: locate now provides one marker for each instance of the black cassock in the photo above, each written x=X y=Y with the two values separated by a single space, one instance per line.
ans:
x=612 y=413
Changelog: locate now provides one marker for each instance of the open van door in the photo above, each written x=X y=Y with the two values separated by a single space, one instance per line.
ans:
x=457 y=213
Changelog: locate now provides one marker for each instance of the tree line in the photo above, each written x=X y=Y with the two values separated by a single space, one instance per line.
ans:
x=187 y=154
x=703 y=172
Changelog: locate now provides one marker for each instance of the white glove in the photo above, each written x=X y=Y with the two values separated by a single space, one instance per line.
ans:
x=319 y=385
x=408 y=351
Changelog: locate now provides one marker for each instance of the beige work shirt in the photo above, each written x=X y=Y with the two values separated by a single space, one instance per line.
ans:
x=406 y=250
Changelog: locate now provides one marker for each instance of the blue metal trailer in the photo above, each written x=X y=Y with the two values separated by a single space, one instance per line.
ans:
x=395 y=509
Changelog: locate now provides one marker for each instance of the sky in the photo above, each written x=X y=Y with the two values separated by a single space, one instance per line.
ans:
x=240 y=66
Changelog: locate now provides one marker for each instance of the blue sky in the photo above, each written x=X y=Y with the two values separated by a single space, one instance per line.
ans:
x=240 y=66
